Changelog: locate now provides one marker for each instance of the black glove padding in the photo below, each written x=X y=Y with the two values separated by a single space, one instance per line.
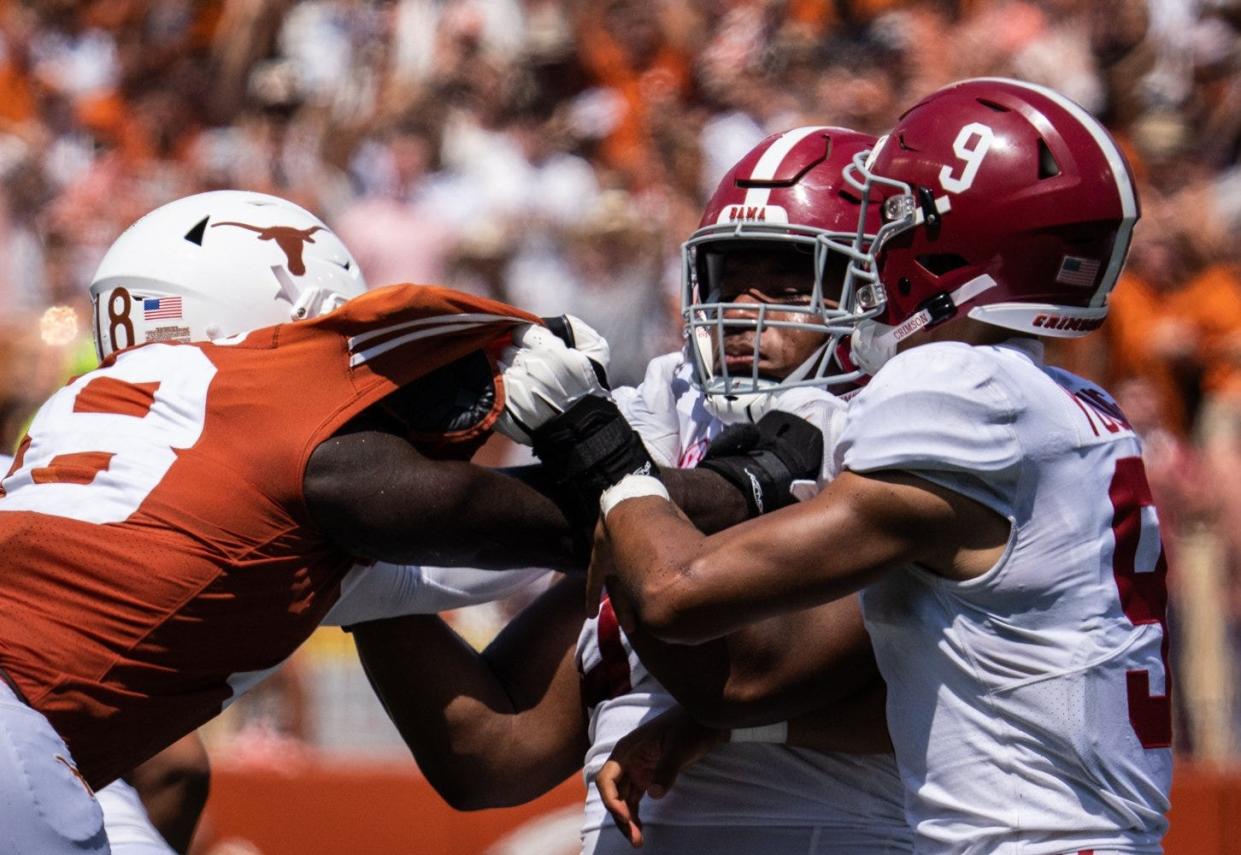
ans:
x=588 y=448
x=763 y=460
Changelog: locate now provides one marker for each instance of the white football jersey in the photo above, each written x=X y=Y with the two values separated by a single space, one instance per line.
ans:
x=857 y=797
x=1029 y=706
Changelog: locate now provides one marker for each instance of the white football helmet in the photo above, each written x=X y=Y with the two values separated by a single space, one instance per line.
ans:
x=217 y=264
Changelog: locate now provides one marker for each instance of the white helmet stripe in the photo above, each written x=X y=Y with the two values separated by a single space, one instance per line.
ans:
x=767 y=165
x=1115 y=160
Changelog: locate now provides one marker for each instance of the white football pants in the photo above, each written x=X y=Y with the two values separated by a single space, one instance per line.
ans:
x=45 y=807
x=741 y=840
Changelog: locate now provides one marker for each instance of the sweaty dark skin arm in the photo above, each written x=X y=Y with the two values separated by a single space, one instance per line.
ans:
x=376 y=496
x=708 y=499
x=771 y=670
x=173 y=787
x=684 y=586
x=488 y=729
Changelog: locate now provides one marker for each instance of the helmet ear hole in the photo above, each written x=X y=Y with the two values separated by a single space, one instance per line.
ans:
x=940 y=263
x=1047 y=166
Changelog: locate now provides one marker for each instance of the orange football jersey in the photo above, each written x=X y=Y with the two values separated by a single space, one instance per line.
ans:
x=157 y=545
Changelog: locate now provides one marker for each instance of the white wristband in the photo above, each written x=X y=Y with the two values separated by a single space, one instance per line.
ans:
x=631 y=487
x=778 y=733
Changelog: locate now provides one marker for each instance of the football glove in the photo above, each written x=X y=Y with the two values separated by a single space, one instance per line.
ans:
x=589 y=447
x=581 y=336
x=763 y=460
x=542 y=378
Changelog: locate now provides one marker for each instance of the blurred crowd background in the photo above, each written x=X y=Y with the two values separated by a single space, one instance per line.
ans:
x=555 y=153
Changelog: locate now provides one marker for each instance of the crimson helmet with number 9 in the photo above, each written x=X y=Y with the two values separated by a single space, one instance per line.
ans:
x=1000 y=199
x=217 y=264
x=787 y=202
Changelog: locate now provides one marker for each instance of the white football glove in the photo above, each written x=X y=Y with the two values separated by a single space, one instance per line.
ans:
x=542 y=378
x=579 y=335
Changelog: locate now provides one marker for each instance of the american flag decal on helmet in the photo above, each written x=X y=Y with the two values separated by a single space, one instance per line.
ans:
x=1078 y=271
x=157 y=308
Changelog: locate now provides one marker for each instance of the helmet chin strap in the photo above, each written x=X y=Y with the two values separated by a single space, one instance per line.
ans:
x=872 y=343
x=313 y=302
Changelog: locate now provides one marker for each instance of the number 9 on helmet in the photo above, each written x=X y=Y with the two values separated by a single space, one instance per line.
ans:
x=1000 y=200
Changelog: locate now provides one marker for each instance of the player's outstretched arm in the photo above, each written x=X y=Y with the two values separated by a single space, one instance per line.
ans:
x=173 y=788
x=488 y=729
x=688 y=587
x=770 y=670
x=375 y=495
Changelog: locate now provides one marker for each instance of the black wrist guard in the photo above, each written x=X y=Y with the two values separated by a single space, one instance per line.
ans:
x=763 y=460
x=588 y=448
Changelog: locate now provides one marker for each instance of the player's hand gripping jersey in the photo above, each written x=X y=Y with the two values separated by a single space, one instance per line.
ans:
x=859 y=797
x=157 y=545
x=1043 y=723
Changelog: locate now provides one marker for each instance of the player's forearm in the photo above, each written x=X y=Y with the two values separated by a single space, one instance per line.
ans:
x=662 y=564
x=493 y=728
x=375 y=496
x=454 y=714
x=710 y=501
x=687 y=587
x=773 y=669
x=485 y=518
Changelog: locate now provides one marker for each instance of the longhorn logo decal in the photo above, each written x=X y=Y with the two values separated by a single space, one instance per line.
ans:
x=290 y=240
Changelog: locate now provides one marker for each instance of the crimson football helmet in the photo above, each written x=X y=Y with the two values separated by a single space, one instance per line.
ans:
x=1000 y=199
x=787 y=203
